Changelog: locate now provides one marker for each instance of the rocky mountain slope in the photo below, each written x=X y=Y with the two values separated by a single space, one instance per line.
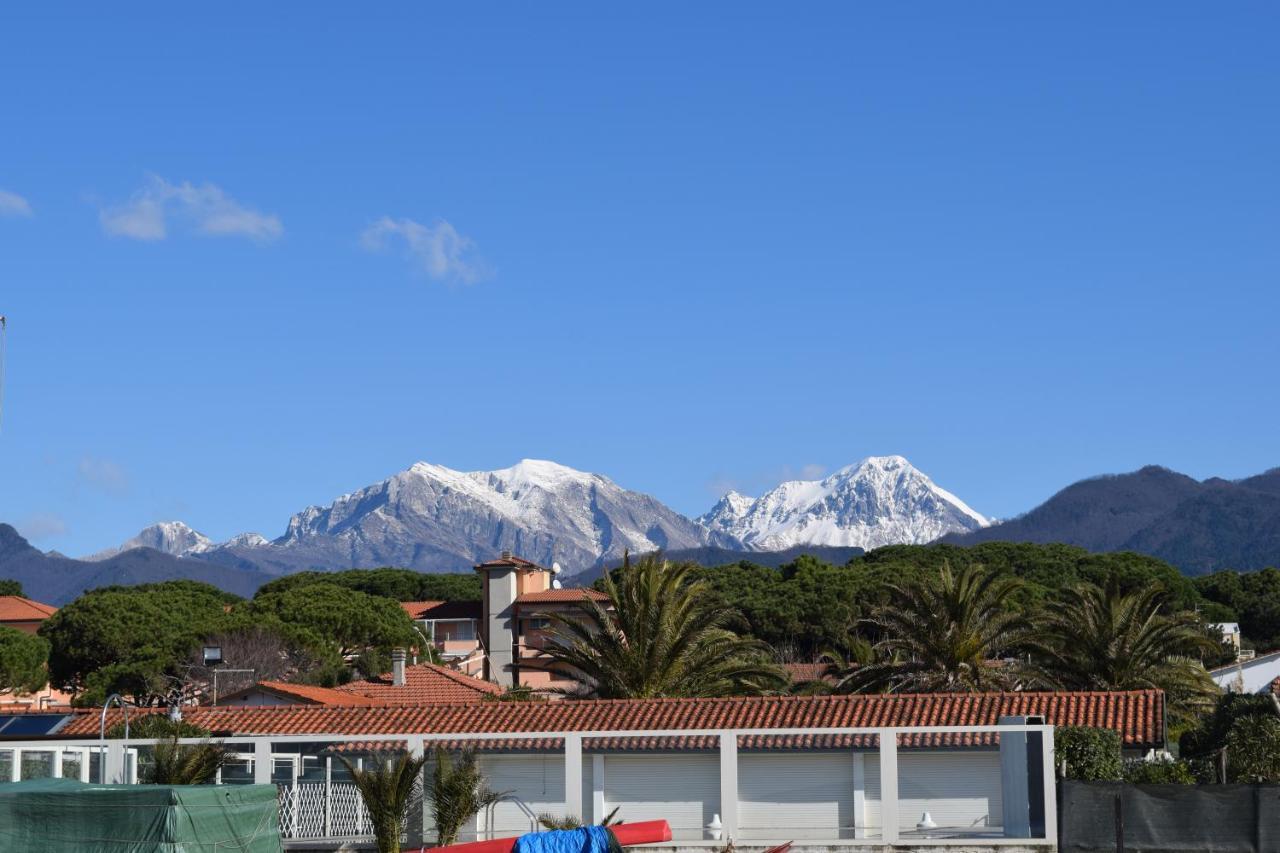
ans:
x=433 y=518
x=168 y=537
x=55 y=579
x=1198 y=526
x=882 y=500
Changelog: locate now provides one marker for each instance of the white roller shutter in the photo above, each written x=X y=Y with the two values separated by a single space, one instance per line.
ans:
x=536 y=785
x=795 y=795
x=683 y=790
x=958 y=789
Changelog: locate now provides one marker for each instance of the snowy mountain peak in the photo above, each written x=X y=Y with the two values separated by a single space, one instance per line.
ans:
x=881 y=500
x=169 y=537
x=431 y=516
x=727 y=511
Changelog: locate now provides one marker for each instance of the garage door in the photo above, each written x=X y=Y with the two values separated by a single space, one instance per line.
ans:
x=683 y=790
x=536 y=784
x=795 y=796
x=957 y=789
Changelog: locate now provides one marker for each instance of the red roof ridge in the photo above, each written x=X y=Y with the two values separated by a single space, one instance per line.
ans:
x=463 y=678
x=15 y=602
x=1137 y=714
x=315 y=693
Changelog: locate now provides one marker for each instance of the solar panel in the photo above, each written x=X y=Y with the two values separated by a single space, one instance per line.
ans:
x=31 y=725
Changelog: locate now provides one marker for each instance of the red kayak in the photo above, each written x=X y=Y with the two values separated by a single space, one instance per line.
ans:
x=645 y=832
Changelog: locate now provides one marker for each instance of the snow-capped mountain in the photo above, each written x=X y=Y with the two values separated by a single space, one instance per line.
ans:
x=168 y=537
x=433 y=518
x=882 y=500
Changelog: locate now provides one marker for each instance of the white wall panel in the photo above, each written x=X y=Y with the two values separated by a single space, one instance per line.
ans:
x=795 y=795
x=683 y=790
x=958 y=789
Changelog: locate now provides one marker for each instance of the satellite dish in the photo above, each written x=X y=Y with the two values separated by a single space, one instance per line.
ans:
x=555 y=584
x=555 y=569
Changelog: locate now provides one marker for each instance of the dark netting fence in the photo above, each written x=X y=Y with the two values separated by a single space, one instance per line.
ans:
x=1115 y=816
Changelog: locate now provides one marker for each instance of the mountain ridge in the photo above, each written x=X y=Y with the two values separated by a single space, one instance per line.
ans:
x=433 y=518
x=881 y=500
x=1198 y=526
x=57 y=579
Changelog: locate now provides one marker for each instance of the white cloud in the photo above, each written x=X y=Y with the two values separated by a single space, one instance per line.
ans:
x=12 y=204
x=42 y=525
x=438 y=250
x=812 y=471
x=102 y=474
x=205 y=209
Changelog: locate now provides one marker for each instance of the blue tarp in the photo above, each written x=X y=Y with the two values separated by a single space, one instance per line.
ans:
x=588 y=839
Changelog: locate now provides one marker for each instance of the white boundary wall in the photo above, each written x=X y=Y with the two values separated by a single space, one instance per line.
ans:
x=875 y=796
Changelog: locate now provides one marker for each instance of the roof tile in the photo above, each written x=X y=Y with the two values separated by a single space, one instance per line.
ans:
x=15 y=608
x=1137 y=715
x=425 y=683
x=559 y=596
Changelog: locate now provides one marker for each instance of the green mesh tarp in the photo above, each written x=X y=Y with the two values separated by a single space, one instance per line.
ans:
x=58 y=815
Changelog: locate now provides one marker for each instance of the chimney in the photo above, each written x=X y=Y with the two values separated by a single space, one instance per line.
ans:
x=397 y=667
x=506 y=555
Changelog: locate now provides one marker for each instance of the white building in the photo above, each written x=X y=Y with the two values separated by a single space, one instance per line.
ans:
x=827 y=769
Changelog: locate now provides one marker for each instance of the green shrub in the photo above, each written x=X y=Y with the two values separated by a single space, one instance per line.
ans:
x=1166 y=772
x=1253 y=750
x=1090 y=754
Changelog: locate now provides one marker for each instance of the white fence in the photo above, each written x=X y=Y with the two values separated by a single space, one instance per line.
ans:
x=945 y=785
x=322 y=810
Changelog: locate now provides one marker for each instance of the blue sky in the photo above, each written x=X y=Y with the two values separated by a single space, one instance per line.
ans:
x=254 y=256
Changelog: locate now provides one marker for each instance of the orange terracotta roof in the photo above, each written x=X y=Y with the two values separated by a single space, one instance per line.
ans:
x=508 y=562
x=561 y=596
x=310 y=694
x=1137 y=715
x=425 y=683
x=442 y=609
x=15 y=608
x=415 y=609
x=801 y=672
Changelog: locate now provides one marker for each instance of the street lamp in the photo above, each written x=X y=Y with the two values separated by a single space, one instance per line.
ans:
x=102 y=736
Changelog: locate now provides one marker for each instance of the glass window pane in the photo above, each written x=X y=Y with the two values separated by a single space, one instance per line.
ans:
x=37 y=765
x=238 y=771
x=71 y=763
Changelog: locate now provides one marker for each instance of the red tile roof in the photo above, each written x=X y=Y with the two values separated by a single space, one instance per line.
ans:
x=309 y=694
x=425 y=683
x=415 y=609
x=1137 y=715
x=561 y=596
x=442 y=609
x=801 y=672
x=508 y=562
x=15 y=608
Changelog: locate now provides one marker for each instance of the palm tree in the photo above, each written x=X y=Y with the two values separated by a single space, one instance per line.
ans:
x=547 y=820
x=458 y=793
x=174 y=763
x=665 y=636
x=947 y=633
x=1104 y=640
x=389 y=790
